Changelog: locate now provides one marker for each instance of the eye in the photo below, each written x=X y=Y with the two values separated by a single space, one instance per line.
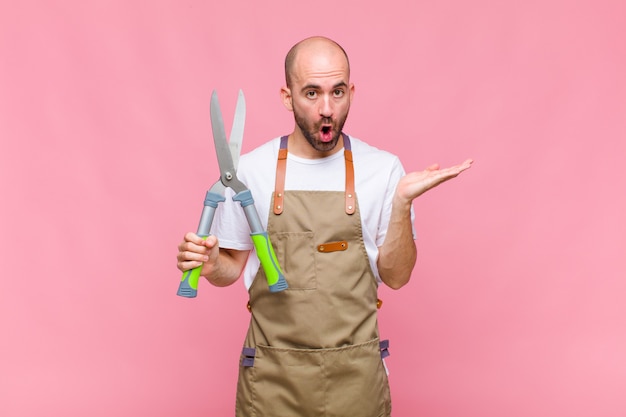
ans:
x=338 y=93
x=310 y=94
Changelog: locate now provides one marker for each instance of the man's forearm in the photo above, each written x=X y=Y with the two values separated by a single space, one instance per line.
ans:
x=397 y=255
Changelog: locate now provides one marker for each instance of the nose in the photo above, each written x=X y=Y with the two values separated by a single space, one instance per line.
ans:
x=326 y=107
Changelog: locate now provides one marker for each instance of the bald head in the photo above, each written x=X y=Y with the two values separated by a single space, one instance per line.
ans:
x=316 y=44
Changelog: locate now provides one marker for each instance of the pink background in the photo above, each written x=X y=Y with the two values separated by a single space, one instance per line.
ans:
x=516 y=307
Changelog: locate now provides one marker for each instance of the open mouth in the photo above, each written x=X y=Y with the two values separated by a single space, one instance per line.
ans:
x=325 y=133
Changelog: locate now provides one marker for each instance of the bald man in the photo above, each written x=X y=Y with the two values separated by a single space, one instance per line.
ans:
x=339 y=216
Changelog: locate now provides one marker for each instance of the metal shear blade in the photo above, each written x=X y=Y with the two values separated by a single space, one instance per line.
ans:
x=228 y=152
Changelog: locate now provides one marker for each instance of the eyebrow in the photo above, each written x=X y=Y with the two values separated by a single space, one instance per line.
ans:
x=317 y=87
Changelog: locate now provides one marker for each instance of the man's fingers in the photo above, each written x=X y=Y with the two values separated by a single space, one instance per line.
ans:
x=461 y=167
x=187 y=265
x=192 y=247
x=457 y=169
x=466 y=164
x=194 y=242
x=186 y=255
x=194 y=251
x=192 y=237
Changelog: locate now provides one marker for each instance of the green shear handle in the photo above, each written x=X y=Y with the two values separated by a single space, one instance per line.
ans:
x=262 y=245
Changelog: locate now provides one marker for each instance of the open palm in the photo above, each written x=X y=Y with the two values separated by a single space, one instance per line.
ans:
x=414 y=184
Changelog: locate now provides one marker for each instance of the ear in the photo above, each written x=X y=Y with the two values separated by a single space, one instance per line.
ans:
x=351 y=91
x=285 y=95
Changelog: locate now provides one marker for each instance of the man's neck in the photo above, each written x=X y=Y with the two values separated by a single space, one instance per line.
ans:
x=299 y=146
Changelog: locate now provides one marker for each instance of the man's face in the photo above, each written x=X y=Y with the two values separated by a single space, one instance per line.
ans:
x=321 y=131
x=320 y=97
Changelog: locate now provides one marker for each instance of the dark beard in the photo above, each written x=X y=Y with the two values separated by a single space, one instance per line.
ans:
x=310 y=132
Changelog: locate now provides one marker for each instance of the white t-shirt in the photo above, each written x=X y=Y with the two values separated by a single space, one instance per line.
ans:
x=376 y=174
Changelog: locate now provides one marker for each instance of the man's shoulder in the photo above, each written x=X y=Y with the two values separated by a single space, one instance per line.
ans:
x=365 y=151
x=262 y=152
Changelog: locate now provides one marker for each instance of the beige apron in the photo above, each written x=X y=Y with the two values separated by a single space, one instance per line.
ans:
x=313 y=349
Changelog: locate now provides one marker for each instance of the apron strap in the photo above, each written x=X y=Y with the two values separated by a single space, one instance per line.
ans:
x=350 y=197
x=384 y=348
x=247 y=357
x=281 y=169
x=248 y=354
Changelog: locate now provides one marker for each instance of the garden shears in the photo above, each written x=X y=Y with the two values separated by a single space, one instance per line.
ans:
x=228 y=160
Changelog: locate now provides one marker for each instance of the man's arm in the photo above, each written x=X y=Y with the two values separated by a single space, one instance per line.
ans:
x=221 y=267
x=397 y=254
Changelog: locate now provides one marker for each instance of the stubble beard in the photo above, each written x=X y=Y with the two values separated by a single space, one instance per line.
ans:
x=309 y=132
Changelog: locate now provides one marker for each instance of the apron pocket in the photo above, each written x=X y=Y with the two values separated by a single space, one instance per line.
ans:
x=357 y=381
x=285 y=382
x=299 y=266
x=339 y=382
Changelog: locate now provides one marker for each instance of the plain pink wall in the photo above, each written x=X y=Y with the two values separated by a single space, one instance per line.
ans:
x=516 y=306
